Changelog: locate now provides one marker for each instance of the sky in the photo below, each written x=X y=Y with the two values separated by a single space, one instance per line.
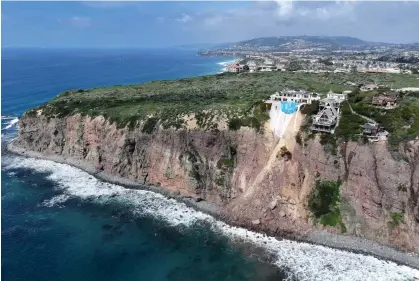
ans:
x=164 y=24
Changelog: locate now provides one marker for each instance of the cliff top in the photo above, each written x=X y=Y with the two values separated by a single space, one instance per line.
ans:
x=208 y=97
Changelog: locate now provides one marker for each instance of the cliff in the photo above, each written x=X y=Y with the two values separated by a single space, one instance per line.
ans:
x=248 y=174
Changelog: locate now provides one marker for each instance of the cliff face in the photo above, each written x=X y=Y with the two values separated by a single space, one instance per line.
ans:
x=244 y=173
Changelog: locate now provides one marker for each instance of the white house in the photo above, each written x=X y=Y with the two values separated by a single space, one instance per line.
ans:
x=338 y=97
x=299 y=96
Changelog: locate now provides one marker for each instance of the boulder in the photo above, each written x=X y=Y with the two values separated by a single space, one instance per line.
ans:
x=292 y=202
x=273 y=204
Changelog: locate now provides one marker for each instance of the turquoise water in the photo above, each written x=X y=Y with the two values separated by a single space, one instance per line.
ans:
x=289 y=107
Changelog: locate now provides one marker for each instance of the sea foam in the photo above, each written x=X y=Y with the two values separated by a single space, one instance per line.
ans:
x=224 y=64
x=305 y=261
x=9 y=124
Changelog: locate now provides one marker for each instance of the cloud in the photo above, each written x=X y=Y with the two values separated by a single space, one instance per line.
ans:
x=284 y=9
x=79 y=22
x=184 y=18
x=272 y=14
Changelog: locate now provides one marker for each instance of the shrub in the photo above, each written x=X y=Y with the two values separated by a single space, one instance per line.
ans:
x=234 y=124
x=402 y=187
x=285 y=153
x=149 y=125
x=298 y=138
x=329 y=143
x=324 y=202
x=349 y=125
x=396 y=219
x=310 y=109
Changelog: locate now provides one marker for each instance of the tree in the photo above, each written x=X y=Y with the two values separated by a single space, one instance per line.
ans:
x=326 y=61
x=246 y=67
x=294 y=65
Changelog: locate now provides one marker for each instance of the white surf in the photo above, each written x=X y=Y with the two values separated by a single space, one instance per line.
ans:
x=305 y=261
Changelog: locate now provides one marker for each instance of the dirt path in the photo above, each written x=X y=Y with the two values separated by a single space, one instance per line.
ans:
x=362 y=116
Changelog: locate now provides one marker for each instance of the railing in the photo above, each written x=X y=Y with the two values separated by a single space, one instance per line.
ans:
x=320 y=129
x=324 y=122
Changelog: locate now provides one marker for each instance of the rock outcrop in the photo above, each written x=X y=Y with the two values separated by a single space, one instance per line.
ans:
x=243 y=172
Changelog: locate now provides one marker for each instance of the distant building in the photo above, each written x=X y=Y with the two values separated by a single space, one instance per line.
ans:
x=349 y=83
x=268 y=62
x=385 y=99
x=267 y=68
x=369 y=87
x=252 y=65
x=235 y=68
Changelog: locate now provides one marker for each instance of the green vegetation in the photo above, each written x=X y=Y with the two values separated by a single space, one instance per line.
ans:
x=294 y=65
x=402 y=187
x=149 y=125
x=329 y=143
x=225 y=168
x=349 y=125
x=255 y=119
x=310 y=109
x=324 y=203
x=402 y=122
x=326 y=61
x=233 y=96
x=396 y=219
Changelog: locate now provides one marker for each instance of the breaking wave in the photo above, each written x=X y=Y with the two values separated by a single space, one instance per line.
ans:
x=225 y=63
x=8 y=122
x=305 y=261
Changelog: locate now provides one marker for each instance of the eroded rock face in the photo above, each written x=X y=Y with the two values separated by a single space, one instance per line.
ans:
x=241 y=172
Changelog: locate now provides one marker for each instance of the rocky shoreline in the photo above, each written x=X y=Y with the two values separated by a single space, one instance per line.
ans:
x=347 y=243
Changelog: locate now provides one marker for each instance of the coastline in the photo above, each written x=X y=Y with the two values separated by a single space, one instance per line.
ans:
x=340 y=242
x=224 y=64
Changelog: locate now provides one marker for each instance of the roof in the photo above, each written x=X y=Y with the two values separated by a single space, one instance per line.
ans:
x=384 y=97
x=392 y=93
x=370 y=86
x=370 y=126
x=329 y=112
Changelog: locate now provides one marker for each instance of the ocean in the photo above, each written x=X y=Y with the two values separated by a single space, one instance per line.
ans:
x=60 y=223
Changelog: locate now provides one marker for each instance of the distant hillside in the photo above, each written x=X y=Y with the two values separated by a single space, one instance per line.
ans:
x=300 y=41
x=285 y=40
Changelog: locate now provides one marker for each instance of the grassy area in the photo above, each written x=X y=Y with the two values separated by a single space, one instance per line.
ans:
x=324 y=203
x=235 y=96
